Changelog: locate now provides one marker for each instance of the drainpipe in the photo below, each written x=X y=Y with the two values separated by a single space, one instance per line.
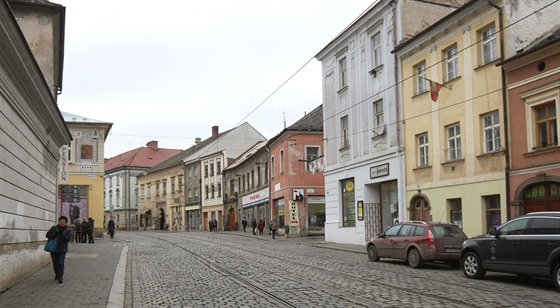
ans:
x=505 y=106
x=269 y=215
x=401 y=178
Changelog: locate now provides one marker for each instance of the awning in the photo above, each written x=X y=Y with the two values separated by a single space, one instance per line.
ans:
x=142 y=212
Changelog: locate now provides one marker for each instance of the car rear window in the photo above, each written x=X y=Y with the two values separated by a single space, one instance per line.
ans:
x=447 y=230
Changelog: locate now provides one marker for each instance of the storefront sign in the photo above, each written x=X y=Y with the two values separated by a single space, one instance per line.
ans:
x=63 y=165
x=256 y=198
x=377 y=171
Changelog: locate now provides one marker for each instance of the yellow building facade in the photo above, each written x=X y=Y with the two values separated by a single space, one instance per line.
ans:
x=454 y=147
x=81 y=171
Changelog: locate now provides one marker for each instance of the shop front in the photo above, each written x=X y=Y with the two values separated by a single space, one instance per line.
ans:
x=256 y=205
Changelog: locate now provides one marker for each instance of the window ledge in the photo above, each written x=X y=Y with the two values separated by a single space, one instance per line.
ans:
x=376 y=70
x=452 y=80
x=450 y=162
x=495 y=61
x=420 y=94
x=344 y=148
x=343 y=90
x=538 y=151
x=495 y=153
x=422 y=168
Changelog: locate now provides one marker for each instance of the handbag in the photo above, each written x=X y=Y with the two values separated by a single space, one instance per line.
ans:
x=51 y=244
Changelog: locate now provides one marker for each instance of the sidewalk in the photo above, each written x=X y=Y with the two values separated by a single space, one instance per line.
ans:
x=315 y=241
x=94 y=277
x=95 y=274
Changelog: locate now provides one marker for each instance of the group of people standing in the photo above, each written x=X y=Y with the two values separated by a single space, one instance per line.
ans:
x=83 y=231
x=260 y=226
x=213 y=225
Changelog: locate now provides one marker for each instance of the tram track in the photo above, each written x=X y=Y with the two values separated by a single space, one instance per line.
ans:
x=434 y=283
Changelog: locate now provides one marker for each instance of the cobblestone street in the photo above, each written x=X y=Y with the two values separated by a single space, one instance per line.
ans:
x=202 y=269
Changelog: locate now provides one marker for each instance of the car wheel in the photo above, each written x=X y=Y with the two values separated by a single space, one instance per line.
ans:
x=453 y=264
x=414 y=258
x=556 y=276
x=472 y=266
x=372 y=253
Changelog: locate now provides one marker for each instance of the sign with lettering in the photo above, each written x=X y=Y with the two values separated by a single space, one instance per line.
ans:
x=293 y=213
x=377 y=171
x=63 y=165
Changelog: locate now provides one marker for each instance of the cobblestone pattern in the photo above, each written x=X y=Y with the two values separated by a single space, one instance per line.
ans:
x=199 y=269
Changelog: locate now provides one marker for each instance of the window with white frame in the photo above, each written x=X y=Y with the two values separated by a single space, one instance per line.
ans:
x=343 y=77
x=311 y=154
x=180 y=183
x=345 y=142
x=189 y=193
x=142 y=191
x=195 y=170
x=173 y=188
x=376 y=50
x=420 y=84
x=451 y=63
x=189 y=173
x=212 y=168
x=454 y=142
x=378 y=113
x=195 y=191
x=488 y=39
x=491 y=137
x=423 y=156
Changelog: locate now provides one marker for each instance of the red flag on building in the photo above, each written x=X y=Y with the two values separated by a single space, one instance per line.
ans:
x=434 y=89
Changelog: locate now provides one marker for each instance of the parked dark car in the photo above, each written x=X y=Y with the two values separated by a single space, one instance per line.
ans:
x=526 y=246
x=418 y=241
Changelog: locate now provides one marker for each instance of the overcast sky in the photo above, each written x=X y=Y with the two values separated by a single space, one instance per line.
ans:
x=170 y=70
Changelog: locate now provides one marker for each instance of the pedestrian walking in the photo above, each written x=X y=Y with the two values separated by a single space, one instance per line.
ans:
x=90 y=225
x=254 y=225
x=63 y=234
x=244 y=223
x=210 y=225
x=77 y=231
x=215 y=225
x=84 y=230
x=261 y=226
x=111 y=227
x=273 y=228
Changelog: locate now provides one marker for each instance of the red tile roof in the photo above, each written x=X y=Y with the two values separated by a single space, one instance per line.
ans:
x=143 y=157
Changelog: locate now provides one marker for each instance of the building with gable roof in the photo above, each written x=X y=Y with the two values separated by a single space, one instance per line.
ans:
x=246 y=188
x=297 y=184
x=85 y=170
x=161 y=209
x=121 y=186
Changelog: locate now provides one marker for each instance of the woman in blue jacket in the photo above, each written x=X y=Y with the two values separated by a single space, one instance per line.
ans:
x=63 y=233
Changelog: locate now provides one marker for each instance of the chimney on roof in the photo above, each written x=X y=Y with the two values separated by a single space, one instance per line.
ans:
x=152 y=145
x=197 y=140
x=215 y=131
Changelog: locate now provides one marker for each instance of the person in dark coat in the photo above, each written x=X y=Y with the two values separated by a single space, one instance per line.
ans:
x=90 y=230
x=244 y=223
x=111 y=227
x=84 y=230
x=63 y=234
x=78 y=231
x=254 y=225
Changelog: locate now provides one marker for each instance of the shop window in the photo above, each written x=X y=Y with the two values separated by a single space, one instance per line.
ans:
x=348 y=206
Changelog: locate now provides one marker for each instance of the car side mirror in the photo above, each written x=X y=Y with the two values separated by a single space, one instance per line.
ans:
x=493 y=231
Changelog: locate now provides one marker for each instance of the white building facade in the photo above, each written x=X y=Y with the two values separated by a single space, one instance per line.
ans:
x=364 y=175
